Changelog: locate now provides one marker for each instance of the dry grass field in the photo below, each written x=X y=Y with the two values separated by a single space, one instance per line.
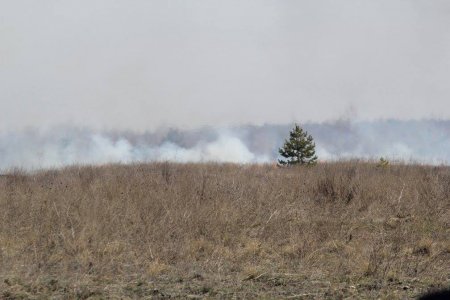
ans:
x=344 y=230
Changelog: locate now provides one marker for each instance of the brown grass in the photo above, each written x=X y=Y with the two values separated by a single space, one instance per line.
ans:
x=337 y=230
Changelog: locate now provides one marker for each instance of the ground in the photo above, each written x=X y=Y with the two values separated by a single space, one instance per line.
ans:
x=344 y=230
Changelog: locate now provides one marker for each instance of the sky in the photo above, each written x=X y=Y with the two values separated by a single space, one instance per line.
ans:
x=141 y=64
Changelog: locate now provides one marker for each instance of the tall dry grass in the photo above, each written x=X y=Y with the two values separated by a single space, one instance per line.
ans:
x=347 y=223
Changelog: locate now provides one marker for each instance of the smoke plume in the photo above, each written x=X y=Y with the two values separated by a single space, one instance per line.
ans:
x=426 y=141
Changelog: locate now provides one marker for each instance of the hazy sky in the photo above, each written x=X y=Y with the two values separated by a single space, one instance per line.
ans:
x=142 y=64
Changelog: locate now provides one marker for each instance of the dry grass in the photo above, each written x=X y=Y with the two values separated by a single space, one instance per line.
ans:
x=160 y=230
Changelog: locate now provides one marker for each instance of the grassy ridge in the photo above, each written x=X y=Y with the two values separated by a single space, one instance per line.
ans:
x=206 y=230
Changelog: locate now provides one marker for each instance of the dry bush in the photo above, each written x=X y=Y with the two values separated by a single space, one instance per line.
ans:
x=344 y=222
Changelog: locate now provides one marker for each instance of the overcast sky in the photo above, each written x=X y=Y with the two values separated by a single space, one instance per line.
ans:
x=143 y=64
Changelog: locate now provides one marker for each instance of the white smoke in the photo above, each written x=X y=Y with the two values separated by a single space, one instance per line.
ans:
x=419 y=141
x=53 y=149
x=225 y=149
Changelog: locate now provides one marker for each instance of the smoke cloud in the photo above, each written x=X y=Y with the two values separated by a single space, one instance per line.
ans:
x=421 y=141
x=34 y=149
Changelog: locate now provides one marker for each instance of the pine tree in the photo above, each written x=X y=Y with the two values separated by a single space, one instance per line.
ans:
x=298 y=149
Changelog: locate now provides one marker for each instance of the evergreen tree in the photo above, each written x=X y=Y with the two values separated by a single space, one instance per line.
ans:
x=298 y=149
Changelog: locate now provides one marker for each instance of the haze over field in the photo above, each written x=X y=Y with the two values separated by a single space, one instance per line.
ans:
x=421 y=141
x=120 y=69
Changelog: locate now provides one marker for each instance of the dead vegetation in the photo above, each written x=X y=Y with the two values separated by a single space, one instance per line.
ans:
x=162 y=230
